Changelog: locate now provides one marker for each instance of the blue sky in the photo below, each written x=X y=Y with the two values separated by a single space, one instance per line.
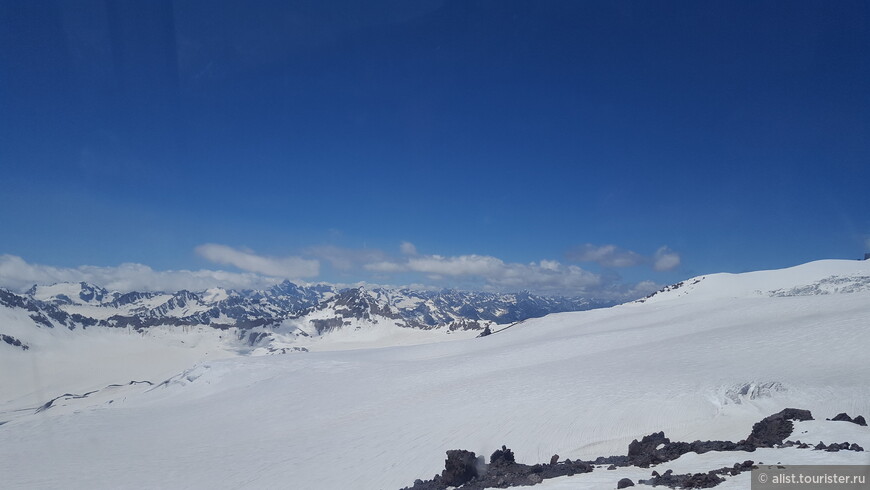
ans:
x=598 y=148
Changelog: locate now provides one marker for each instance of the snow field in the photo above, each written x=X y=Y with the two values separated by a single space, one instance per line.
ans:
x=581 y=385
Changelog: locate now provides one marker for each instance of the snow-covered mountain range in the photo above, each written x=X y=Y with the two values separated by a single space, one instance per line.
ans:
x=284 y=317
x=170 y=406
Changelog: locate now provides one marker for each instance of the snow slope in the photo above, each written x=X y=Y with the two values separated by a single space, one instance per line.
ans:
x=699 y=363
x=59 y=360
x=814 y=278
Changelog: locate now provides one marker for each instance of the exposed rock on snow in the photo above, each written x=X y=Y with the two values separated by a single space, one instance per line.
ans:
x=460 y=467
x=834 y=447
x=844 y=417
x=466 y=471
x=692 y=480
x=773 y=430
x=13 y=341
x=656 y=448
x=624 y=483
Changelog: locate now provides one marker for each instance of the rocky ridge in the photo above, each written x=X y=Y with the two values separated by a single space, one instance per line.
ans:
x=464 y=470
x=254 y=315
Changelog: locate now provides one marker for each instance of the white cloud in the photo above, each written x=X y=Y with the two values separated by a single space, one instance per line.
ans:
x=471 y=271
x=462 y=265
x=550 y=265
x=345 y=259
x=385 y=266
x=496 y=274
x=546 y=276
x=18 y=275
x=408 y=248
x=606 y=255
x=665 y=259
x=287 y=267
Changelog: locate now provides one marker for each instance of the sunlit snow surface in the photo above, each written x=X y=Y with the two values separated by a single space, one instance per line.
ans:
x=704 y=361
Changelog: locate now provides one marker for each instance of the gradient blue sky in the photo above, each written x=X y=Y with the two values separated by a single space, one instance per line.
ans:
x=584 y=146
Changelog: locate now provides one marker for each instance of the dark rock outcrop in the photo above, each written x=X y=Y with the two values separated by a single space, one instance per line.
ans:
x=773 y=430
x=842 y=446
x=844 y=417
x=460 y=467
x=612 y=460
x=656 y=448
x=502 y=457
x=643 y=453
x=13 y=341
x=501 y=472
x=688 y=480
x=697 y=480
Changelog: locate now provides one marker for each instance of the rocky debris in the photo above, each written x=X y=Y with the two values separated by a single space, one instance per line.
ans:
x=737 y=468
x=13 y=341
x=773 y=430
x=464 y=470
x=697 y=480
x=834 y=447
x=486 y=331
x=515 y=474
x=769 y=432
x=460 y=467
x=688 y=480
x=643 y=453
x=465 y=324
x=821 y=446
x=612 y=460
x=286 y=350
x=798 y=444
x=844 y=417
x=324 y=325
x=503 y=471
x=672 y=287
x=656 y=448
x=501 y=457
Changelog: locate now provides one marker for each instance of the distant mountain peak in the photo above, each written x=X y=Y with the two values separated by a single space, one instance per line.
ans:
x=310 y=310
